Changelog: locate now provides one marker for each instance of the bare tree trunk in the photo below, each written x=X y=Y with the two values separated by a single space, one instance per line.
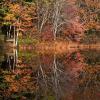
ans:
x=56 y=79
x=43 y=11
x=57 y=16
x=9 y=31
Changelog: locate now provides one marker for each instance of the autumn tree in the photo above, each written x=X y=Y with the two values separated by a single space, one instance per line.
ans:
x=89 y=13
x=55 y=18
x=21 y=17
x=50 y=19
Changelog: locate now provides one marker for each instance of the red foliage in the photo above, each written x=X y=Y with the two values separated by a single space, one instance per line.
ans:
x=74 y=63
x=47 y=33
x=74 y=30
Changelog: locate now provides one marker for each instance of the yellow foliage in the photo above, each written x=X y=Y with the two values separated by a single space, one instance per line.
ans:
x=15 y=8
x=9 y=17
x=89 y=13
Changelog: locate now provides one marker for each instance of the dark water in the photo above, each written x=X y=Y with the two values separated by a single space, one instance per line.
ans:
x=28 y=75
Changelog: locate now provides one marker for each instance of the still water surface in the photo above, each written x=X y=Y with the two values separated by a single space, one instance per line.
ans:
x=29 y=75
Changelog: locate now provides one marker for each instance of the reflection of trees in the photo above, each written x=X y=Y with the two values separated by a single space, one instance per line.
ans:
x=10 y=60
x=53 y=78
x=89 y=84
x=92 y=57
x=48 y=79
x=67 y=76
x=58 y=77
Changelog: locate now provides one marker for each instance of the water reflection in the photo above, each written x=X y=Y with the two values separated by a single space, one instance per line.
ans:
x=10 y=60
x=37 y=76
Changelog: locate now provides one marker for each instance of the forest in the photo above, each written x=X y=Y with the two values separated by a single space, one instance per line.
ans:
x=49 y=49
x=75 y=21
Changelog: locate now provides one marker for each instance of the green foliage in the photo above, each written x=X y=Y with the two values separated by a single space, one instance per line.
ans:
x=7 y=23
x=3 y=84
x=91 y=36
x=15 y=96
x=3 y=12
x=17 y=77
x=27 y=41
x=1 y=78
x=91 y=31
x=28 y=0
x=28 y=94
x=27 y=55
x=92 y=57
x=1 y=1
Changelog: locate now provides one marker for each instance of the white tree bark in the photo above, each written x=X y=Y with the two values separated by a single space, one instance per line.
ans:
x=57 y=16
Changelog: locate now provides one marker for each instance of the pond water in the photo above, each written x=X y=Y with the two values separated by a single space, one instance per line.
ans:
x=30 y=75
